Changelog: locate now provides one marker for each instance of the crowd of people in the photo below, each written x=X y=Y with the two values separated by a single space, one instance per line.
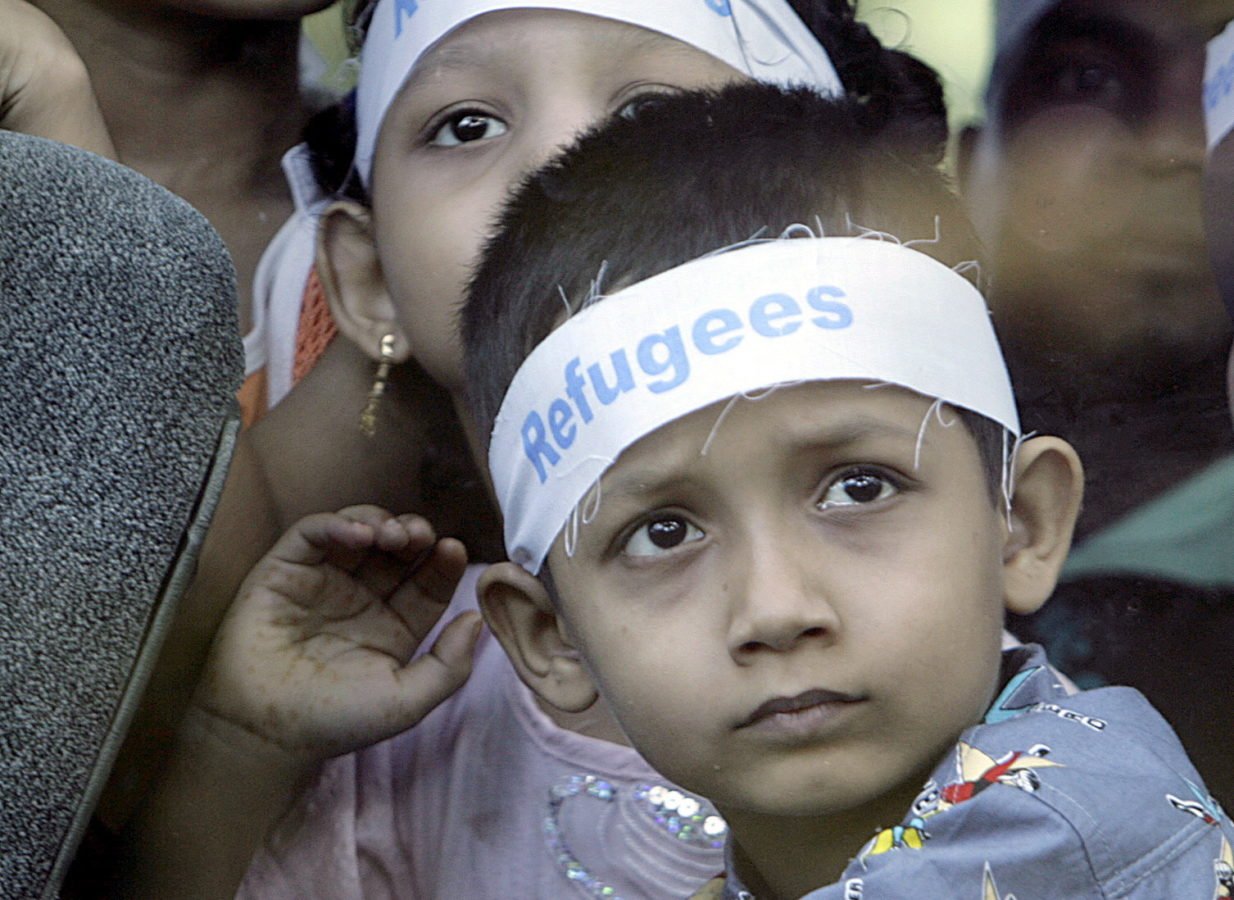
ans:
x=906 y=569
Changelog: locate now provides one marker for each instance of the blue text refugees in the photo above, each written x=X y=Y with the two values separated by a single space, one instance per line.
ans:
x=664 y=358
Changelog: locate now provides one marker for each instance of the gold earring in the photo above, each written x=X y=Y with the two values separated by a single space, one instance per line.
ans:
x=368 y=417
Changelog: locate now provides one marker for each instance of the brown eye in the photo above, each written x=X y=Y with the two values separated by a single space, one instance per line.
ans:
x=633 y=109
x=662 y=535
x=857 y=488
x=1088 y=82
x=467 y=127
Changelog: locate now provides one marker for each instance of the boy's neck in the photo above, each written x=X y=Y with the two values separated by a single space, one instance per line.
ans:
x=783 y=857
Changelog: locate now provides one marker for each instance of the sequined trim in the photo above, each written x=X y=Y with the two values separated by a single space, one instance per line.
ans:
x=559 y=793
x=684 y=817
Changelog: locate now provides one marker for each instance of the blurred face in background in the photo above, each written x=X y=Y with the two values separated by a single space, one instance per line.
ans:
x=1086 y=182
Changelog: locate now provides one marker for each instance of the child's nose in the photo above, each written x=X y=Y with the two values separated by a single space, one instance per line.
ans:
x=780 y=604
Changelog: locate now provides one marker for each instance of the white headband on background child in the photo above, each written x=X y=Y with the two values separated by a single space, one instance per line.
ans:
x=762 y=38
x=1219 y=87
x=776 y=313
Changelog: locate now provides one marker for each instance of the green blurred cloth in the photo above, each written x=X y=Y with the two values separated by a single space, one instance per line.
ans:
x=1186 y=535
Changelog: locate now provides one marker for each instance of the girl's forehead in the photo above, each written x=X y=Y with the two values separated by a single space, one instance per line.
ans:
x=496 y=37
x=764 y=39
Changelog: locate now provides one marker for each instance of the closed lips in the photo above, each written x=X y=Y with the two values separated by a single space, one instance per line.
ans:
x=800 y=703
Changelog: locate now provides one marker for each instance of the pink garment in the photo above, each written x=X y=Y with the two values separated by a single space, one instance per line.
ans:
x=457 y=808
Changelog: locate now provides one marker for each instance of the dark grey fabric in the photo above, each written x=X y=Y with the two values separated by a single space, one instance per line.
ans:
x=119 y=361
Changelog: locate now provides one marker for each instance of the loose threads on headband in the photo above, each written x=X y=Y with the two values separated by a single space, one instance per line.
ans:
x=596 y=292
x=961 y=268
x=1010 y=450
x=757 y=238
x=935 y=410
x=797 y=230
x=936 y=239
x=728 y=407
x=583 y=513
x=1009 y=464
x=858 y=230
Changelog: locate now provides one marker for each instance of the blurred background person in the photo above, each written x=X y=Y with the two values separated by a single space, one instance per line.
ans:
x=203 y=97
x=1085 y=181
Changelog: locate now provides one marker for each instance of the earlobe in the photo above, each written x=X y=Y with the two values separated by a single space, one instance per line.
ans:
x=1048 y=488
x=520 y=614
x=350 y=271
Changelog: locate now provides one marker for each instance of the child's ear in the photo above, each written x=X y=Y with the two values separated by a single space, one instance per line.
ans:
x=1049 y=483
x=519 y=611
x=351 y=276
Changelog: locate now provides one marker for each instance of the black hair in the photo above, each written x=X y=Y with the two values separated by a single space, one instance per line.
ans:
x=893 y=87
x=685 y=176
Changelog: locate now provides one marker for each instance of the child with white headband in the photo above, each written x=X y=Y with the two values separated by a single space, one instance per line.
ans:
x=749 y=500
x=474 y=95
x=765 y=590
x=535 y=74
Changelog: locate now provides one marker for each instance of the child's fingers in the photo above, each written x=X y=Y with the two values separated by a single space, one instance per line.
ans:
x=402 y=552
x=346 y=540
x=407 y=537
x=427 y=680
x=322 y=536
x=404 y=544
x=366 y=513
x=421 y=601
x=350 y=554
x=439 y=575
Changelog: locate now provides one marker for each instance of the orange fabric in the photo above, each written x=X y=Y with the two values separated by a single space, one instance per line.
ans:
x=252 y=398
x=316 y=329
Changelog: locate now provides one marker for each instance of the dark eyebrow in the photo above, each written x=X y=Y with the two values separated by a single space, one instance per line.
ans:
x=849 y=431
x=647 y=481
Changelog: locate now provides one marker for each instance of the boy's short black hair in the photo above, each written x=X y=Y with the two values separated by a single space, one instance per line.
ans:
x=683 y=177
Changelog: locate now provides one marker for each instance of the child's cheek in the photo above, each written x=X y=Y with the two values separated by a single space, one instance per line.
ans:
x=1061 y=161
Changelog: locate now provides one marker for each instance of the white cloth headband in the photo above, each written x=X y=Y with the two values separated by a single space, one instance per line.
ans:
x=1219 y=87
x=802 y=309
x=762 y=38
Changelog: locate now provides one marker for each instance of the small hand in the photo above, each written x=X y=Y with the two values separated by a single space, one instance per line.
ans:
x=315 y=654
x=44 y=87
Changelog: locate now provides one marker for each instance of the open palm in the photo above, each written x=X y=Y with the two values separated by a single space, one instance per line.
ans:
x=318 y=652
